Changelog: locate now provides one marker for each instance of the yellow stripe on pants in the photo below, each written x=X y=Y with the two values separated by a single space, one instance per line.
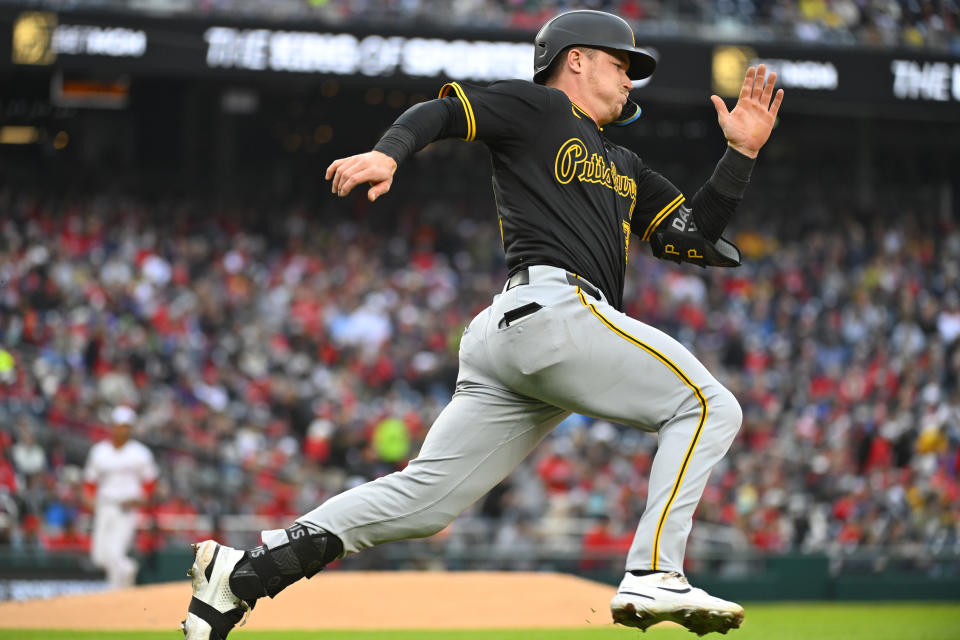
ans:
x=696 y=436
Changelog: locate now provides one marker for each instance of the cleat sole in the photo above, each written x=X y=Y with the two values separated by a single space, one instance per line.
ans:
x=702 y=622
x=699 y=621
x=630 y=616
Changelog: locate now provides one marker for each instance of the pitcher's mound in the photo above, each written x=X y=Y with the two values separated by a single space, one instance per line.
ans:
x=349 y=600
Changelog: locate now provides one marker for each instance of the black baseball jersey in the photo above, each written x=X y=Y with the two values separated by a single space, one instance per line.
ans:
x=566 y=196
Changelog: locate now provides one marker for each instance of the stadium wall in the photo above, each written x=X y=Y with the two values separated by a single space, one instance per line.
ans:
x=784 y=577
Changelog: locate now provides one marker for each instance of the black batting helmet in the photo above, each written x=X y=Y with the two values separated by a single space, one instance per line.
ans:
x=589 y=29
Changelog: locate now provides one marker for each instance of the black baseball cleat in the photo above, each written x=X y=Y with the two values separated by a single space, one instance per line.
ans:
x=643 y=601
x=214 y=609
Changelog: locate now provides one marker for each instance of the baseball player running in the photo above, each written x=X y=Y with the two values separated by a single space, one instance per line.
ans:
x=119 y=477
x=554 y=340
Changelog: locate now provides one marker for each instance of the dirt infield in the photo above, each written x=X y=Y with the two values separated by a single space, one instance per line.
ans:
x=348 y=600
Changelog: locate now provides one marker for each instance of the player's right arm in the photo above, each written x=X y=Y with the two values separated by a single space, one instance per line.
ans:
x=500 y=111
x=373 y=167
x=418 y=126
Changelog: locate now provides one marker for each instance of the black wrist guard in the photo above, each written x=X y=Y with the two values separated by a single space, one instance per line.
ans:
x=732 y=173
x=678 y=239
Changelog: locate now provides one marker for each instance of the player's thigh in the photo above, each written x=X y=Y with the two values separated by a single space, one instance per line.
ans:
x=485 y=430
x=632 y=372
x=478 y=439
x=103 y=538
x=606 y=364
x=126 y=530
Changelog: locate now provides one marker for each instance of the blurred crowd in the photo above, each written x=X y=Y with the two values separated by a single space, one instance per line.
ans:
x=933 y=24
x=930 y=24
x=277 y=356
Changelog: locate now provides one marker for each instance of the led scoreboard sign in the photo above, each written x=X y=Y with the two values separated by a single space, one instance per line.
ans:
x=857 y=81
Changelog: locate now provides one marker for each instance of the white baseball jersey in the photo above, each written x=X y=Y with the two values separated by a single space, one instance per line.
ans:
x=119 y=473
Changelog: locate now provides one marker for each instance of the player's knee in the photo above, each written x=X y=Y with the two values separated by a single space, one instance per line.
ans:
x=435 y=522
x=726 y=411
x=102 y=558
x=418 y=484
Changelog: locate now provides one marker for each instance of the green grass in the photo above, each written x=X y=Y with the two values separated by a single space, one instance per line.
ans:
x=815 y=621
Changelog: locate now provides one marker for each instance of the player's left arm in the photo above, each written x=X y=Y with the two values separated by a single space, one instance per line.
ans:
x=692 y=232
x=148 y=478
x=148 y=482
x=747 y=128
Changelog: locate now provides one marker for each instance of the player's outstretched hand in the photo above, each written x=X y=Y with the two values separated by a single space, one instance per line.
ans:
x=747 y=128
x=373 y=167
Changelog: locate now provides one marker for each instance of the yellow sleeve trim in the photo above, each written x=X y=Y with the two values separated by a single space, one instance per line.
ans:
x=468 y=109
x=657 y=219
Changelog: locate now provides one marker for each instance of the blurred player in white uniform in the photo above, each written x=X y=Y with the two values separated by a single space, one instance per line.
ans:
x=119 y=476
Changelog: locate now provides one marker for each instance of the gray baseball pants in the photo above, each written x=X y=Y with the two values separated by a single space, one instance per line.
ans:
x=515 y=384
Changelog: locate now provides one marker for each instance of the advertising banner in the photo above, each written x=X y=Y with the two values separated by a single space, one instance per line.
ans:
x=852 y=81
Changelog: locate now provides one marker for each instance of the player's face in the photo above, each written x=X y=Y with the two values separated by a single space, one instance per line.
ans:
x=120 y=434
x=609 y=83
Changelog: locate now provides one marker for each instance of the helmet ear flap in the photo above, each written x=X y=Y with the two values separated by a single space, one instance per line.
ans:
x=544 y=61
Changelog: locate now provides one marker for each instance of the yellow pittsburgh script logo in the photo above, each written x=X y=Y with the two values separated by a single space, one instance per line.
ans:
x=574 y=160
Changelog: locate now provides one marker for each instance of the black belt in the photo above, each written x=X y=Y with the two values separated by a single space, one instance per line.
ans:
x=523 y=277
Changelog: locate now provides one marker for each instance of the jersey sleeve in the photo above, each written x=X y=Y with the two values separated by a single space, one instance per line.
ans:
x=91 y=474
x=657 y=198
x=509 y=109
x=148 y=470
